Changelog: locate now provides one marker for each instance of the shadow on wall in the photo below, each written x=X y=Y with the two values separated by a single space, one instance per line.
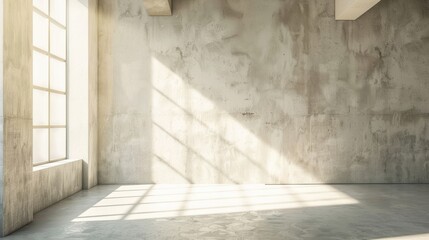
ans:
x=255 y=92
x=245 y=97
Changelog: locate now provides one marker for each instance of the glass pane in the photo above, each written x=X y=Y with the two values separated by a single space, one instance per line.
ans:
x=58 y=143
x=40 y=145
x=58 y=41
x=40 y=107
x=40 y=31
x=58 y=109
x=58 y=11
x=40 y=69
x=58 y=75
x=42 y=5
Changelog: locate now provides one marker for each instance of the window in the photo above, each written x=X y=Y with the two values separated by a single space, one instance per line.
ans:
x=49 y=81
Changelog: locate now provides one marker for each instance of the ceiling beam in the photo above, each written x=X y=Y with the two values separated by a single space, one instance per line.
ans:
x=158 y=7
x=352 y=9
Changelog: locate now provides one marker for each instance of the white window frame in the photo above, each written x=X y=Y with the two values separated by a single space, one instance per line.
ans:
x=50 y=91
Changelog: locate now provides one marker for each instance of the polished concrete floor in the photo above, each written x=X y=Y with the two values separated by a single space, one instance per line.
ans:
x=237 y=212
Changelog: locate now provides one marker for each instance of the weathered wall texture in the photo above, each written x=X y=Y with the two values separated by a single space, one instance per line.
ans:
x=1 y=117
x=92 y=94
x=263 y=91
x=54 y=182
x=16 y=160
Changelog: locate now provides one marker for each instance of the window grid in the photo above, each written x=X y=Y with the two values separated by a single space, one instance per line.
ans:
x=48 y=90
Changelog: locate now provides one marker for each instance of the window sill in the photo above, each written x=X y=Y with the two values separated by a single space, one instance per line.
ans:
x=54 y=164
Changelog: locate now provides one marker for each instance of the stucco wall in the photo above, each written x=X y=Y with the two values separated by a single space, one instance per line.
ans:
x=263 y=91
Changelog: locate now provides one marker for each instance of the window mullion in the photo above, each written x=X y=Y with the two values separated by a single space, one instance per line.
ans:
x=49 y=17
x=49 y=82
x=49 y=54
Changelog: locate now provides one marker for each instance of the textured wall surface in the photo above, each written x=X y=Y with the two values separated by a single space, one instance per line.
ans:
x=1 y=117
x=55 y=181
x=93 y=94
x=263 y=91
x=17 y=205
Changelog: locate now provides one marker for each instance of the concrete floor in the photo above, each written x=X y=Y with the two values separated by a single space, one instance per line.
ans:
x=237 y=212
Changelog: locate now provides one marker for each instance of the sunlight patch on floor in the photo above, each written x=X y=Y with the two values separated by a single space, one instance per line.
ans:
x=135 y=202
x=408 y=237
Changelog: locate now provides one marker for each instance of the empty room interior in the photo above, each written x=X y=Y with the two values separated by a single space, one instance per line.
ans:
x=214 y=119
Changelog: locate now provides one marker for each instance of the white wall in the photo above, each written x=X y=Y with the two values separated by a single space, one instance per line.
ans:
x=79 y=80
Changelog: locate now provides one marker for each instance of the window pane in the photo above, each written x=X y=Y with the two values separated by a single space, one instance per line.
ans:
x=42 y=5
x=58 y=11
x=40 y=107
x=40 y=31
x=49 y=109
x=58 y=143
x=58 y=109
x=58 y=41
x=40 y=69
x=58 y=75
x=40 y=145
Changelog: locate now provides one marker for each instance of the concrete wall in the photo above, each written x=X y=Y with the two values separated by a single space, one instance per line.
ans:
x=93 y=94
x=263 y=91
x=1 y=116
x=54 y=182
x=16 y=157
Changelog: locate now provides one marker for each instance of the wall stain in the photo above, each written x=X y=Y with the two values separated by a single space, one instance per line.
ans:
x=247 y=114
x=307 y=98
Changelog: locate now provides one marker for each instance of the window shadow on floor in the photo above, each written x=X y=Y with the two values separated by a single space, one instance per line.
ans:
x=237 y=212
